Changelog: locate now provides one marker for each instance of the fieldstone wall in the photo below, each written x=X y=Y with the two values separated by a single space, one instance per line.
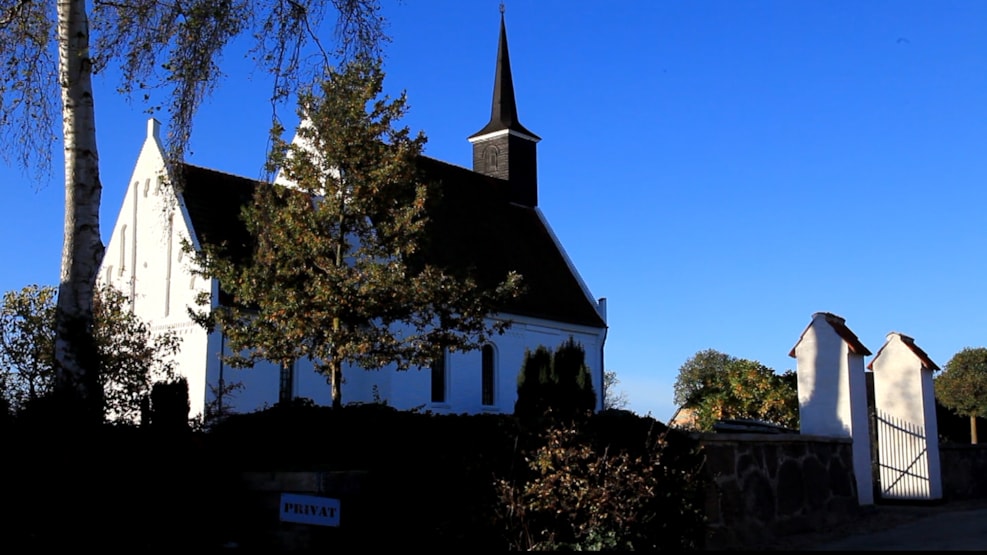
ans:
x=769 y=485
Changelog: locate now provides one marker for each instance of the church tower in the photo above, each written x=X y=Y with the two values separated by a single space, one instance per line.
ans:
x=504 y=148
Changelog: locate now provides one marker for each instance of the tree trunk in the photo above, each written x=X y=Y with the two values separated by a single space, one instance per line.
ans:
x=76 y=363
x=973 y=430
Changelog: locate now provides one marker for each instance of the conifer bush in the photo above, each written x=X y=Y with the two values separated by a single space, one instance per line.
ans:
x=558 y=383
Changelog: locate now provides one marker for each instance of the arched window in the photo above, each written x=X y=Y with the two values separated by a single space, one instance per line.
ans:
x=487 y=376
x=286 y=387
x=439 y=379
x=491 y=157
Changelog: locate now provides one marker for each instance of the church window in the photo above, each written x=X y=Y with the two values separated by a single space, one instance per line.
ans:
x=439 y=375
x=487 y=375
x=491 y=157
x=287 y=383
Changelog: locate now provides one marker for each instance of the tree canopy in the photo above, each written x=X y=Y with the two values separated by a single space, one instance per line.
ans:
x=336 y=275
x=131 y=357
x=962 y=385
x=716 y=386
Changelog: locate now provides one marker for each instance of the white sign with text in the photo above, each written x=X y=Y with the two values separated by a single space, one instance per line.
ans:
x=309 y=509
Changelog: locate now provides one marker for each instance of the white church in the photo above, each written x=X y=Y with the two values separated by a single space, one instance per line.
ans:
x=496 y=226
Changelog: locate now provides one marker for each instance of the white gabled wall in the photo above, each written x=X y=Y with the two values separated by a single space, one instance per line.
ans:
x=144 y=260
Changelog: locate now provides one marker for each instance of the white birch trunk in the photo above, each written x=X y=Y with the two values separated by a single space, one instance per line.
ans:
x=77 y=378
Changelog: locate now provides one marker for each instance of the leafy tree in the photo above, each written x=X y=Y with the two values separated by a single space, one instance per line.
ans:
x=26 y=340
x=612 y=397
x=559 y=382
x=131 y=357
x=336 y=275
x=698 y=374
x=716 y=386
x=171 y=46
x=962 y=385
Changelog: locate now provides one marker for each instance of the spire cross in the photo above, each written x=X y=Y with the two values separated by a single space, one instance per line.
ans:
x=501 y=7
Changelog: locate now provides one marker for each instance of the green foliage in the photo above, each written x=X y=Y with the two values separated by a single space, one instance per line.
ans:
x=715 y=386
x=962 y=385
x=27 y=336
x=131 y=357
x=698 y=374
x=577 y=496
x=335 y=275
x=559 y=383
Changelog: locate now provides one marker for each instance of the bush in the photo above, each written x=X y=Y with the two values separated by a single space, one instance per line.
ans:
x=581 y=493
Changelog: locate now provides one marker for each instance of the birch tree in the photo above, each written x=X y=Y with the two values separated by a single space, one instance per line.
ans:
x=169 y=48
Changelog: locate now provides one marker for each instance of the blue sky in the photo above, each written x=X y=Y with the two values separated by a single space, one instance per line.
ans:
x=718 y=170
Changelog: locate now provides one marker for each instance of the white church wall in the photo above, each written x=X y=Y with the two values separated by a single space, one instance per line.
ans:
x=411 y=389
x=144 y=260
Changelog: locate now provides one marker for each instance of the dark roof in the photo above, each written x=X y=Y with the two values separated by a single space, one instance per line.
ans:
x=214 y=200
x=839 y=326
x=473 y=228
x=503 y=112
x=910 y=343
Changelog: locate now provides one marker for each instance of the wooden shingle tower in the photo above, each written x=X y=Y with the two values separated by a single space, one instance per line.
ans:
x=504 y=148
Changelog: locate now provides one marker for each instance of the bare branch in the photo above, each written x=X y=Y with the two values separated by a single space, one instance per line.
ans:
x=29 y=85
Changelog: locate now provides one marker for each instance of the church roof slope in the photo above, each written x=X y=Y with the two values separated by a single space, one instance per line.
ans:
x=473 y=227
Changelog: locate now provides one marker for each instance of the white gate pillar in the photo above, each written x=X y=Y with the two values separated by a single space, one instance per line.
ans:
x=832 y=390
x=907 y=428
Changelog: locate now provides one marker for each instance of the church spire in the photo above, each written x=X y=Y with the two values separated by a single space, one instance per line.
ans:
x=504 y=148
x=503 y=112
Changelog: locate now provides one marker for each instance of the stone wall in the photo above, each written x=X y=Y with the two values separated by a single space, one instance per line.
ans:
x=769 y=485
x=764 y=486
